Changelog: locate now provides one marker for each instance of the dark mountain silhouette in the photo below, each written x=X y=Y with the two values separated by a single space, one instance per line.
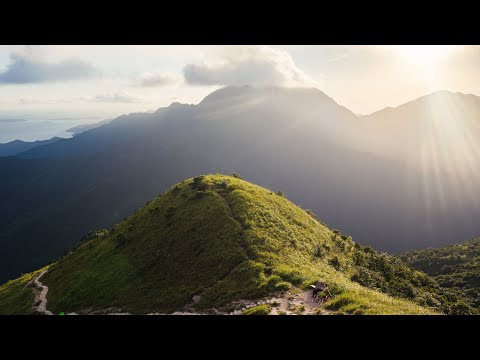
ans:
x=19 y=146
x=85 y=127
x=299 y=141
x=443 y=125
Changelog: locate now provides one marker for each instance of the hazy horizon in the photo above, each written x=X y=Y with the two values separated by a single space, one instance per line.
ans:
x=107 y=81
x=44 y=124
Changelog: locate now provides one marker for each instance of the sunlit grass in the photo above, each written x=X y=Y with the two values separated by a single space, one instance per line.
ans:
x=16 y=298
x=219 y=237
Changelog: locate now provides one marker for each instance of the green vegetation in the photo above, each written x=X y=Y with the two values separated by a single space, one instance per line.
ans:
x=16 y=297
x=263 y=309
x=224 y=239
x=299 y=309
x=457 y=269
x=392 y=276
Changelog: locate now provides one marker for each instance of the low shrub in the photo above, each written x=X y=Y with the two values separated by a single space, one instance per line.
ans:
x=283 y=286
x=319 y=251
x=263 y=309
x=299 y=309
x=272 y=282
x=170 y=212
x=290 y=275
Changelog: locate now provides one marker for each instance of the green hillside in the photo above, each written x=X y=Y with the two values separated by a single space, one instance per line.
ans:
x=456 y=268
x=16 y=297
x=224 y=239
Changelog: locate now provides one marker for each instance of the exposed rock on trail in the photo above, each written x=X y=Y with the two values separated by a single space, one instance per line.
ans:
x=40 y=291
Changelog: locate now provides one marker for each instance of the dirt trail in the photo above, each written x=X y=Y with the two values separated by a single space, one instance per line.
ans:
x=40 y=291
x=299 y=304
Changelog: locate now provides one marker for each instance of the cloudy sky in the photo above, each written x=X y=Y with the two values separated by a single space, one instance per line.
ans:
x=111 y=80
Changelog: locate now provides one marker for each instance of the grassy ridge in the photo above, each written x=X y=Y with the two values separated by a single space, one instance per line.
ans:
x=16 y=298
x=219 y=237
x=156 y=260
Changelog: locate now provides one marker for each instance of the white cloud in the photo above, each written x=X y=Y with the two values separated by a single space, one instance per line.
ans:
x=340 y=58
x=149 y=79
x=29 y=68
x=117 y=97
x=29 y=101
x=241 y=65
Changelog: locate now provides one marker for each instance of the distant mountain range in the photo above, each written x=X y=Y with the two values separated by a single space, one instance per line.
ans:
x=82 y=128
x=437 y=132
x=19 y=146
x=397 y=179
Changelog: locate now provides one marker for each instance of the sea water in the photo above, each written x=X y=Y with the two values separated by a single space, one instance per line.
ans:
x=39 y=127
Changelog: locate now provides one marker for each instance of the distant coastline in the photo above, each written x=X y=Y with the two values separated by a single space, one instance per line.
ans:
x=12 y=120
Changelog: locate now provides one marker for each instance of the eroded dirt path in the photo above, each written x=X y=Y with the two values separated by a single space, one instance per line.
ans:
x=300 y=304
x=40 y=291
x=295 y=302
x=291 y=303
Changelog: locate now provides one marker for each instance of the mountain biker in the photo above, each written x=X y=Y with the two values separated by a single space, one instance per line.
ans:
x=319 y=286
x=320 y=290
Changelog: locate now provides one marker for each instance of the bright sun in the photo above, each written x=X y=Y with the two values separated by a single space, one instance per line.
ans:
x=424 y=55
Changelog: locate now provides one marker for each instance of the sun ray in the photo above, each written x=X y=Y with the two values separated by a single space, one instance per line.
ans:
x=425 y=56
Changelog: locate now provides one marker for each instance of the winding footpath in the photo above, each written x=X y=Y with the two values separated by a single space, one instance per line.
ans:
x=40 y=291
x=285 y=305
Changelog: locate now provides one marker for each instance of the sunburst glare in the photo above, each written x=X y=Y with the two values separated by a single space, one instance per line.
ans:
x=424 y=55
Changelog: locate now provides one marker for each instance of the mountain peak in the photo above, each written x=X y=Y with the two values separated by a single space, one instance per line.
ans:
x=203 y=246
x=436 y=95
x=226 y=92
x=177 y=104
x=443 y=92
x=440 y=95
x=229 y=93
